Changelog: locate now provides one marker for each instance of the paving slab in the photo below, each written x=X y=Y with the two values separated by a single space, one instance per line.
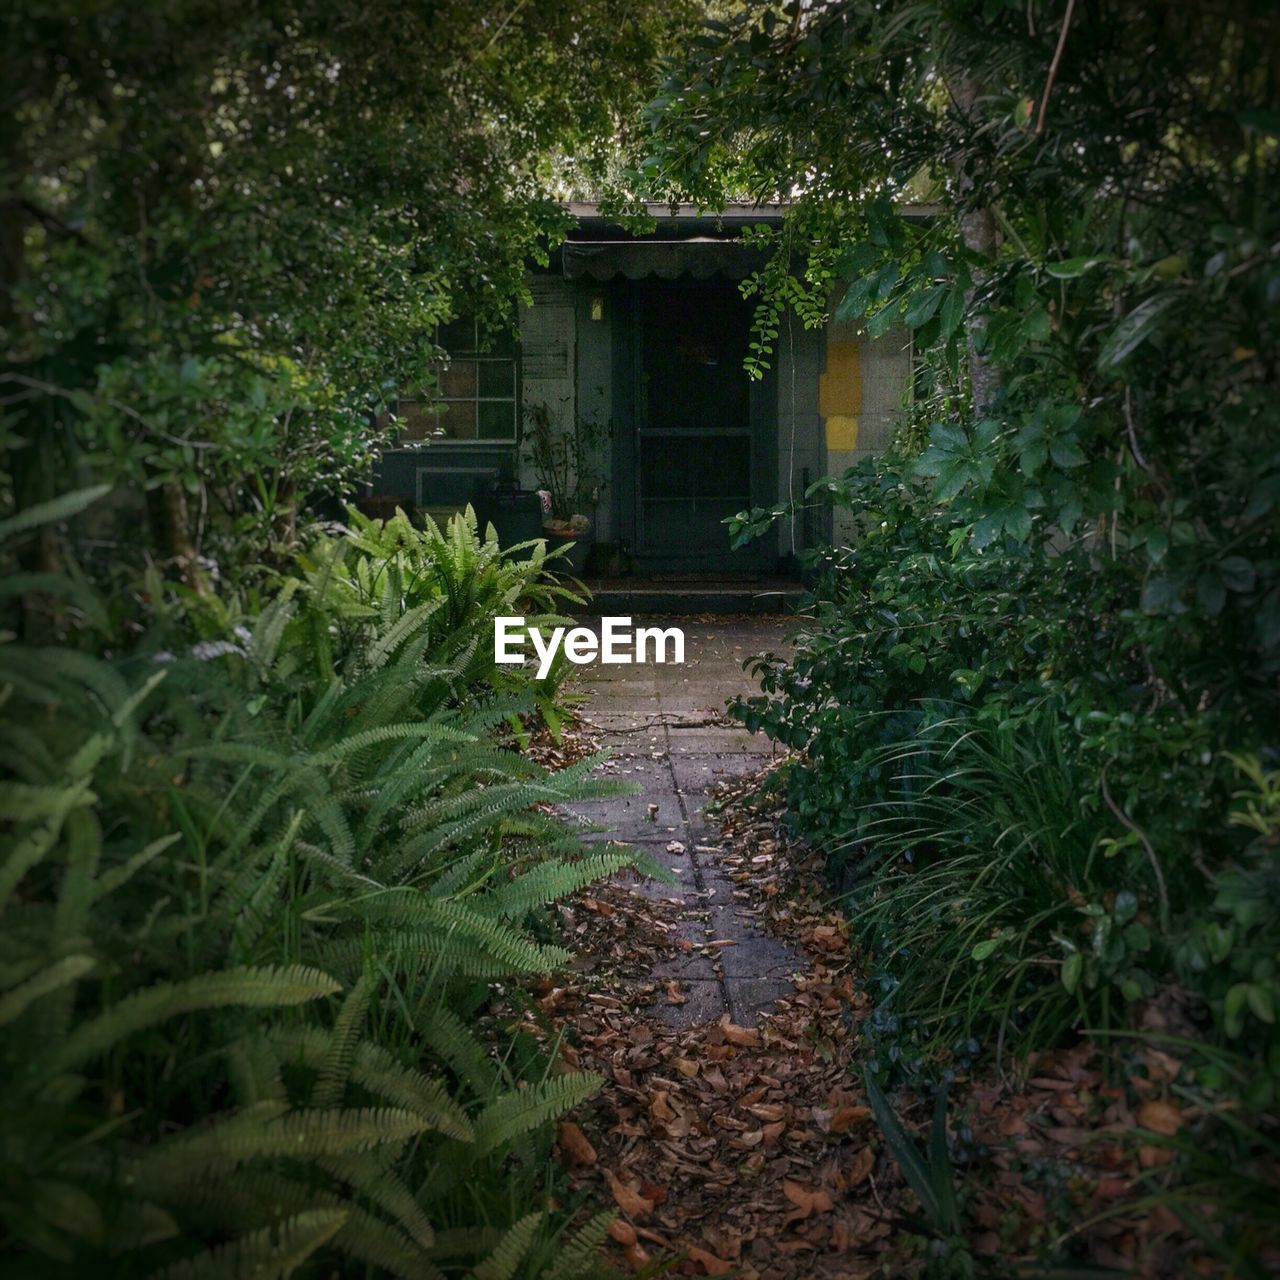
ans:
x=667 y=734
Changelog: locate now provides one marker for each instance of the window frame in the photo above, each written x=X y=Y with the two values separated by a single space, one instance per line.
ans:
x=475 y=356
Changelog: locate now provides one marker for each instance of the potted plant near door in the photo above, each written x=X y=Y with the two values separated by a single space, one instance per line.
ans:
x=567 y=464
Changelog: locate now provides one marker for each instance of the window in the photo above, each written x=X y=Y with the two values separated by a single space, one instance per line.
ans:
x=477 y=397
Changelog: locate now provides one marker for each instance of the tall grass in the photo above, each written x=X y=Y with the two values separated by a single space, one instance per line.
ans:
x=983 y=892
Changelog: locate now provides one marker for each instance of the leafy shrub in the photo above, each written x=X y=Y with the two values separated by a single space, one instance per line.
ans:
x=252 y=900
x=1024 y=825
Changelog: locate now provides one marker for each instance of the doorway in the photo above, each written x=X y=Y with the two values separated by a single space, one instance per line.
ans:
x=701 y=433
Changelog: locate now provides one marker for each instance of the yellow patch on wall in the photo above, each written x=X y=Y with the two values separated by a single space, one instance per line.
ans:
x=840 y=388
x=842 y=433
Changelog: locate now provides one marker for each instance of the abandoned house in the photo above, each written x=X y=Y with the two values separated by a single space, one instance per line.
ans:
x=635 y=346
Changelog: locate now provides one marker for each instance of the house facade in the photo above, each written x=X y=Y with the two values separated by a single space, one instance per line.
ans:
x=641 y=340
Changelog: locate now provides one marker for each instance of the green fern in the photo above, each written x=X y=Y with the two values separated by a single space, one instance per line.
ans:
x=501 y=1264
x=269 y=1253
x=262 y=987
x=527 y=1109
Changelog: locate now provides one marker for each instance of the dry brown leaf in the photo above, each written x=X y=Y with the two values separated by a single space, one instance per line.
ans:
x=621 y=1231
x=674 y=994
x=844 y=1118
x=807 y=1200
x=637 y=1258
x=862 y=1165
x=743 y=1037
x=632 y=1204
x=575 y=1145
x=1160 y=1117
x=710 y=1264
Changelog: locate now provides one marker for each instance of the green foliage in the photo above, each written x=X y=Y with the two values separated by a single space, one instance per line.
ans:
x=254 y=888
x=234 y=231
x=1027 y=688
x=928 y=1174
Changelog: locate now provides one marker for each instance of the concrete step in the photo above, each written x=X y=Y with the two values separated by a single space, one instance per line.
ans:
x=685 y=596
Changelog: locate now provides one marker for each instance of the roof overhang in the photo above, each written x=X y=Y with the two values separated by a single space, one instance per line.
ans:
x=698 y=256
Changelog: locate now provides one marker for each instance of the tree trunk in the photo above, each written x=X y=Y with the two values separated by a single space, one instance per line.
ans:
x=171 y=533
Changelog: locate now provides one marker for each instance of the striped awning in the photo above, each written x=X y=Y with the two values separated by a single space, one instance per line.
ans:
x=700 y=257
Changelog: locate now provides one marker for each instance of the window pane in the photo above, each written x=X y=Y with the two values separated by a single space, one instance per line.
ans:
x=416 y=421
x=497 y=378
x=497 y=420
x=459 y=419
x=502 y=343
x=458 y=381
x=458 y=336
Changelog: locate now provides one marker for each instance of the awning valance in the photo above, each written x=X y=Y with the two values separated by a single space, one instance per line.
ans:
x=700 y=257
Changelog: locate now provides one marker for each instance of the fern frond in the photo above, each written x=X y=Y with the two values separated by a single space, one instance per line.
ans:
x=580 y=1257
x=501 y=1264
x=32 y=843
x=378 y=1244
x=255 y=1071
x=524 y=1110
x=456 y=920
x=253 y=987
x=266 y=1254
x=343 y=1039
x=378 y=1183
x=266 y=1130
x=552 y=880
x=456 y=1045
x=61 y=973
x=119 y=876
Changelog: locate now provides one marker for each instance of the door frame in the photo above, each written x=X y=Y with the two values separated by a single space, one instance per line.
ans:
x=758 y=555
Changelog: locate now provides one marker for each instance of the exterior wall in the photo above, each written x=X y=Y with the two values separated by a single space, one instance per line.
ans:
x=548 y=347
x=861 y=393
x=801 y=447
x=838 y=394
x=594 y=380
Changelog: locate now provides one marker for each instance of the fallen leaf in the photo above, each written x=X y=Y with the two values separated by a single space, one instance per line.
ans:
x=807 y=1200
x=861 y=1167
x=674 y=994
x=710 y=1264
x=621 y=1231
x=844 y=1118
x=575 y=1145
x=743 y=1037
x=1160 y=1117
x=633 y=1205
x=660 y=1108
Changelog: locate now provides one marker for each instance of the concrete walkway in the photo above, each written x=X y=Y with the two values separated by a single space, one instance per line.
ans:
x=666 y=729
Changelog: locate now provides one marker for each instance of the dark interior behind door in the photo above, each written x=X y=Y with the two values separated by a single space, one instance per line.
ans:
x=694 y=437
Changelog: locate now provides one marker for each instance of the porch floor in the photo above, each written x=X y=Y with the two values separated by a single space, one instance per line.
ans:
x=685 y=594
